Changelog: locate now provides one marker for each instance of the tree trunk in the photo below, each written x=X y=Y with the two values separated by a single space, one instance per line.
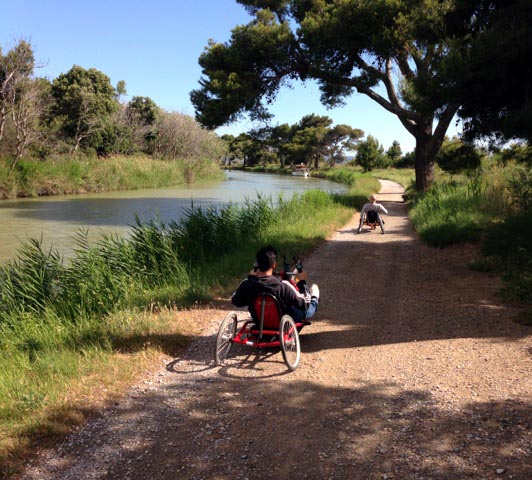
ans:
x=427 y=146
x=424 y=165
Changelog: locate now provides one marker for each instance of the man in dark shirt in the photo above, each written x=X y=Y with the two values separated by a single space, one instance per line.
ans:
x=294 y=303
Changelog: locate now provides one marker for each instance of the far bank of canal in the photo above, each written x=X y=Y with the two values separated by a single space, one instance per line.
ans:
x=57 y=219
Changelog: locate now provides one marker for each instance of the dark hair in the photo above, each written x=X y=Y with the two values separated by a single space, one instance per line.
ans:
x=266 y=258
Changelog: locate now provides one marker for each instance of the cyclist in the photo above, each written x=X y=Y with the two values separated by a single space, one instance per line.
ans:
x=299 y=305
x=372 y=209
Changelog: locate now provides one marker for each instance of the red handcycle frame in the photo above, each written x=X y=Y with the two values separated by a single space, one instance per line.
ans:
x=267 y=328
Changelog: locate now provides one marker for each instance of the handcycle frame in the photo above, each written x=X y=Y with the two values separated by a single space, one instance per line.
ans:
x=373 y=222
x=267 y=328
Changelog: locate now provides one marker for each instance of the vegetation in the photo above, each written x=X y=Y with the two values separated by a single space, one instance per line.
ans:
x=491 y=79
x=492 y=205
x=404 y=47
x=62 y=321
x=88 y=173
x=308 y=141
x=52 y=131
x=102 y=313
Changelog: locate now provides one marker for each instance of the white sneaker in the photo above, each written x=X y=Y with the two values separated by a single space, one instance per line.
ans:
x=314 y=291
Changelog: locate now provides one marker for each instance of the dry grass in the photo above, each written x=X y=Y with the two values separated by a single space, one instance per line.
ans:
x=107 y=377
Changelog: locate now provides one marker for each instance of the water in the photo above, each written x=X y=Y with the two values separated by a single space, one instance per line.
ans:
x=57 y=219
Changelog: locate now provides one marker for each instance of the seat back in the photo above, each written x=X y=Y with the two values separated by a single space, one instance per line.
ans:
x=372 y=217
x=266 y=312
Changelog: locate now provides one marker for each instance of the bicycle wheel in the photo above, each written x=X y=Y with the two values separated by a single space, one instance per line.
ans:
x=226 y=333
x=289 y=342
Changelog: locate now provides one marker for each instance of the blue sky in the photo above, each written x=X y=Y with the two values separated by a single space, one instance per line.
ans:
x=154 y=47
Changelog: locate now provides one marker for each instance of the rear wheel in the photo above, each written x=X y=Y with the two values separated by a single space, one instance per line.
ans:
x=226 y=333
x=290 y=345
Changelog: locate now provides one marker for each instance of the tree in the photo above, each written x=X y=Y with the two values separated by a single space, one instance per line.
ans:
x=141 y=117
x=456 y=156
x=142 y=111
x=84 y=99
x=15 y=67
x=492 y=77
x=394 y=153
x=346 y=46
x=280 y=139
x=32 y=100
x=369 y=154
x=309 y=140
x=341 y=138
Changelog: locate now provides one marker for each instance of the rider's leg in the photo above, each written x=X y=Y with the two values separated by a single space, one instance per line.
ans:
x=381 y=222
x=299 y=315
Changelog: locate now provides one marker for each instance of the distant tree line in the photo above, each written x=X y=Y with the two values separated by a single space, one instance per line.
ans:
x=81 y=110
x=312 y=140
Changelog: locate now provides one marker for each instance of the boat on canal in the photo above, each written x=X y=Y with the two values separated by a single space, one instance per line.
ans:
x=301 y=170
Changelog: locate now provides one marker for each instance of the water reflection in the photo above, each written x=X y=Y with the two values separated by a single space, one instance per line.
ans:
x=57 y=219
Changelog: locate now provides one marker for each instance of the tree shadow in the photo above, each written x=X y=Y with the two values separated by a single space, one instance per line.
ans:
x=225 y=427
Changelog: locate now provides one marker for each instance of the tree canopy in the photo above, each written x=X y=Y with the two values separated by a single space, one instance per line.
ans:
x=307 y=141
x=81 y=111
x=492 y=77
x=346 y=46
x=83 y=98
x=422 y=60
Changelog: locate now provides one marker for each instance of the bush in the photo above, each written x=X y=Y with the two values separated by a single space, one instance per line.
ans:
x=457 y=156
x=507 y=248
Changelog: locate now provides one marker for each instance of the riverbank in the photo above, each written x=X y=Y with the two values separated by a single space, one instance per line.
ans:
x=68 y=330
x=65 y=175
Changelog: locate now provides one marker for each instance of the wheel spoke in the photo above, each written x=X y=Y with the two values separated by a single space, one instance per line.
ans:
x=290 y=346
x=226 y=333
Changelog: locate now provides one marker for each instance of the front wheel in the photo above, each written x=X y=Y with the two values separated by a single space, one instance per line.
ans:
x=224 y=339
x=290 y=345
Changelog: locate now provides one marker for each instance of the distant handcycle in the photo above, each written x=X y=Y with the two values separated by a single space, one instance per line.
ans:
x=371 y=219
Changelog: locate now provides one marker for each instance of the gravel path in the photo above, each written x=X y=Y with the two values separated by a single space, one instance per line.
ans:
x=412 y=369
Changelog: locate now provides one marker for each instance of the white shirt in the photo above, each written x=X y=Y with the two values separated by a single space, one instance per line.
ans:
x=373 y=207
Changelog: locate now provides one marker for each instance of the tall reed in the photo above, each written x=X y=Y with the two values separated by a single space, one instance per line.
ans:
x=457 y=211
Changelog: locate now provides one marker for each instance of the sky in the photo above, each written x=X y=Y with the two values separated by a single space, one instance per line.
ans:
x=154 y=47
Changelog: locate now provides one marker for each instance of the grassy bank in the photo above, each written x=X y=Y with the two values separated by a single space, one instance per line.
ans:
x=81 y=174
x=405 y=176
x=74 y=334
x=492 y=206
x=461 y=208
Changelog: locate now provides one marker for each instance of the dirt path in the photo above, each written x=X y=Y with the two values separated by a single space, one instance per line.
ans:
x=413 y=369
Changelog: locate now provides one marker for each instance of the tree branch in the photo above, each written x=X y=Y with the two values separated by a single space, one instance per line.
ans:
x=443 y=124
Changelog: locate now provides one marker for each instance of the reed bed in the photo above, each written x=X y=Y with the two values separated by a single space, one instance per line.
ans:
x=83 y=173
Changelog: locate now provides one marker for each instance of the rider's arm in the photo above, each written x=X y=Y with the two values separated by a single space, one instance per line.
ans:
x=241 y=297
x=292 y=297
x=382 y=209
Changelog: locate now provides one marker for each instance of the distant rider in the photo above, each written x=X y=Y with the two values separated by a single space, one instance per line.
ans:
x=372 y=206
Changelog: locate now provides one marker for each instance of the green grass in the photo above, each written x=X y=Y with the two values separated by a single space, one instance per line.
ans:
x=65 y=325
x=454 y=212
x=404 y=176
x=66 y=174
